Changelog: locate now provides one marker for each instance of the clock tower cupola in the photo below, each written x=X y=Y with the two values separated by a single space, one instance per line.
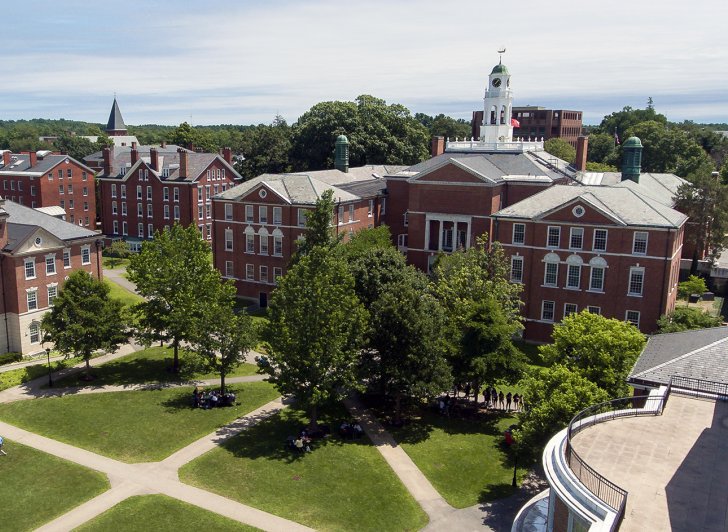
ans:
x=498 y=105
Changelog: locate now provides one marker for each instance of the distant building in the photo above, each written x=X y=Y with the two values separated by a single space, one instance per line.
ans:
x=45 y=179
x=532 y=122
x=37 y=253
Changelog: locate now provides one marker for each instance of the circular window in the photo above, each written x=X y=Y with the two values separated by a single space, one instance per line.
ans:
x=578 y=211
x=262 y=193
x=38 y=241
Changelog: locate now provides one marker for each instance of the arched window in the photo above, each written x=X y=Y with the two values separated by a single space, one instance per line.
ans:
x=493 y=118
x=503 y=114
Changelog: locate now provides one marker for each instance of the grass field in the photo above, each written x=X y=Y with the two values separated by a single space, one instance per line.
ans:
x=112 y=263
x=37 y=487
x=11 y=378
x=340 y=485
x=151 y=365
x=142 y=426
x=161 y=514
x=121 y=293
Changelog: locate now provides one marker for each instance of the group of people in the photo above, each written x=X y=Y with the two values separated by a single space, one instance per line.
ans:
x=350 y=429
x=300 y=444
x=202 y=399
x=495 y=399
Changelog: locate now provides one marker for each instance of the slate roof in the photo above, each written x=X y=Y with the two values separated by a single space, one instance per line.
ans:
x=660 y=187
x=296 y=189
x=23 y=221
x=196 y=165
x=700 y=354
x=494 y=167
x=364 y=189
x=623 y=204
x=116 y=122
x=122 y=154
x=21 y=163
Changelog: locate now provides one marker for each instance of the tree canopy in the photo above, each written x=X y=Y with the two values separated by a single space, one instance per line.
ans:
x=561 y=149
x=687 y=318
x=602 y=350
x=83 y=318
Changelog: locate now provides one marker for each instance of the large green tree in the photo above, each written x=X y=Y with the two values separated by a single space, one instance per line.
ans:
x=378 y=134
x=315 y=331
x=552 y=397
x=319 y=227
x=84 y=319
x=687 y=318
x=603 y=350
x=561 y=149
x=174 y=273
x=267 y=149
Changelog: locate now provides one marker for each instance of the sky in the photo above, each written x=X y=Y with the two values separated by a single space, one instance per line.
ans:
x=242 y=62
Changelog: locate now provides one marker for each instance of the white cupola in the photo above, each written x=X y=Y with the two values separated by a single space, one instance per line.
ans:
x=497 y=107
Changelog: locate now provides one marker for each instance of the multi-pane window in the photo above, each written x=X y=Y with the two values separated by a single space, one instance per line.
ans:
x=124 y=228
x=176 y=211
x=175 y=192
x=517 y=269
x=166 y=212
x=123 y=191
x=140 y=210
x=123 y=208
x=301 y=217
x=639 y=244
x=61 y=190
x=200 y=212
x=32 y=299
x=52 y=293
x=576 y=238
x=263 y=244
x=264 y=274
x=519 y=233
x=600 y=240
x=596 y=279
x=140 y=230
x=50 y=263
x=113 y=190
x=547 y=310
x=30 y=268
x=554 y=237
x=249 y=243
x=70 y=188
x=83 y=176
x=633 y=317
x=85 y=191
x=277 y=274
x=150 y=212
x=250 y=272
x=341 y=214
x=277 y=246
x=34 y=331
x=165 y=193
x=636 y=281
x=66 y=258
x=277 y=215
x=149 y=193
x=139 y=192
x=150 y=230
x=33 y=190
x=114 y=208
x=228 y=239
x=370 y=209
x=351 y=212
x=116 y=227
x=594 y=310
x=573 y=276
x=229 y=268
x=208 y=210
x=228 y=211
x=551 y=274
x=570 y=308
x=249 y=214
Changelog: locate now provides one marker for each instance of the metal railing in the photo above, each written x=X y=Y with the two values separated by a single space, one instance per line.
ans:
x=695 y=387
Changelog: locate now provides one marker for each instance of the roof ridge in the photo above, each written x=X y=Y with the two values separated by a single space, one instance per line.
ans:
x=681 y=357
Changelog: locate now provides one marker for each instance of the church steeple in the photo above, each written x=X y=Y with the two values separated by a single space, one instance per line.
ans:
x=115 y=125
x=498 y=105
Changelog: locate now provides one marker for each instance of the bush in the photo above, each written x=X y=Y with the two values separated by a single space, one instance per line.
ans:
x=8 y=358
x=686 y=318
x=693 y=285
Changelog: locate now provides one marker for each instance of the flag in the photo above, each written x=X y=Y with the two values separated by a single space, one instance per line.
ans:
x=616 y=137
x=515 y=123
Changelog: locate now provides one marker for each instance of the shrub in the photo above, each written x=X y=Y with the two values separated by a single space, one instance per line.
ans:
x=693 y=285
x=8 y=358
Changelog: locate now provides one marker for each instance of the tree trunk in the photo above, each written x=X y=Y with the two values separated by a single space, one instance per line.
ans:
x=398 y=408
x=476 y=385
x=88 y=365
x=694 y=262
x=313 y=425
x=175 y=363
x=222 y=382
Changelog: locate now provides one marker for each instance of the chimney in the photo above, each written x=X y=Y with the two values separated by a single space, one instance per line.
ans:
x=154 y=156
x=438 y=146
x=33 y=158
x=107 y=161
x=582 y=144
x=341 y=153
x=182 y=162
x=163 y=144
x=133 y=145
x=134 y=153
x=227 y=154
x=6 y=157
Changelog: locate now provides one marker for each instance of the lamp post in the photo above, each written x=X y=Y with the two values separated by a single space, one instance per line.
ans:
x=50 y=378
x=515 y=467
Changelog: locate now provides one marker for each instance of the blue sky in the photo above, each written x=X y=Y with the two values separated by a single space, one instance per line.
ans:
x=240 y=62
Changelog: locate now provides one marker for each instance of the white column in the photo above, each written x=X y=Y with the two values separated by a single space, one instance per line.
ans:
x=439 y=238
x=427 y=233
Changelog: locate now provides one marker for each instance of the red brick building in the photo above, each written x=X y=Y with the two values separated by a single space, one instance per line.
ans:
x=45 y=179
x=37 y=253
x=257 y=223
x=142 y=194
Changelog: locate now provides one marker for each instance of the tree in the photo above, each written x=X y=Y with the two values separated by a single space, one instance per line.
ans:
x=692 y=285
x=367 y=239
x=118 y=250
x=375 y=269
x=705 y=202
x=561 y=149
x=603 y=350
x=601 y=148
x=445 y=126
x=267 y=149
x=378 y=134
x=686 y=318
x=319 y=230
x=173 y=272
x=315 y=331
x=620 y=121
x=84 y=318
x=552 y=397
x=224 y=338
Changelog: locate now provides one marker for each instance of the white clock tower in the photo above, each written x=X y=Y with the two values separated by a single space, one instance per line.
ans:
x=498 y=104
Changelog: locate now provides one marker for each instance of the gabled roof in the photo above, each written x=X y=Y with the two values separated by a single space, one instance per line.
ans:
x=21 y=163
x=197 y=163
x=623 y=204
x=23 y=221
x=116 y=122
x=296 y=189
x=660 y=187
x=700 y=354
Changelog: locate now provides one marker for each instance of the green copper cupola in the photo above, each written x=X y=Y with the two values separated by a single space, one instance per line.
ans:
x=341 y=153
x=632 y=159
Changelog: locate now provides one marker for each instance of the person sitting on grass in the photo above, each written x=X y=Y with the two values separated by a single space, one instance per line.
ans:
x=357 y=430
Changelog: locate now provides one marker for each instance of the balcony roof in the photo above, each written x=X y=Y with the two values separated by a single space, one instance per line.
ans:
x=673 y=466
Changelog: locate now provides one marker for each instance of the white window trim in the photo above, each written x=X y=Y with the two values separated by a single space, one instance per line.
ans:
x=566 y=285
x=634 y=242
x=575 y=311
x=25 y=268
x=639 y=316
x=87 y=248
x=515 y=259
x=555 y=284
x=548 y=232
x=513 y=234
x=553 y=310
x=572 y=230
x=594 y=240
x=591 y=276
x=629 y=281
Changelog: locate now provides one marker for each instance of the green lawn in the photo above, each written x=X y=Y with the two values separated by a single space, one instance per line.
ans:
x=119 y=292
x=142 y=426
x=37 y=487
x=151 y=365
x=111 y=263
x=464 y=459
x=340 y=485
x=160 y=513
x=11 y=378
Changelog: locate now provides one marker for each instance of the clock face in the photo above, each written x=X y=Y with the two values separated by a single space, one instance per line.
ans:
x=496 y=82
